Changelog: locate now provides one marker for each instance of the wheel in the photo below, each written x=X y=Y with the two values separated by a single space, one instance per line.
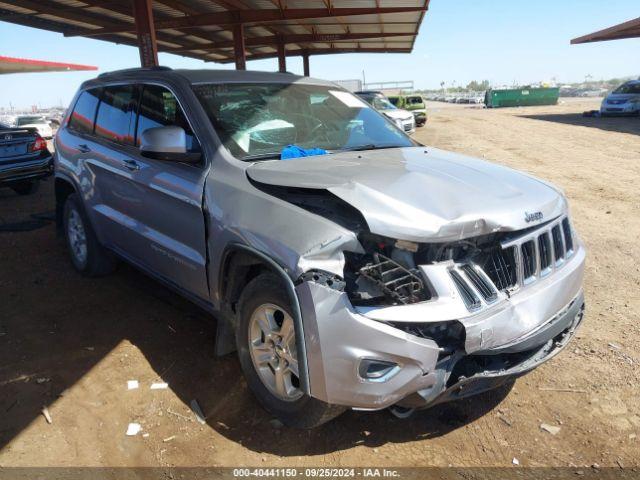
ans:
x=26 y=187
x=266 y=342
x=87 y=255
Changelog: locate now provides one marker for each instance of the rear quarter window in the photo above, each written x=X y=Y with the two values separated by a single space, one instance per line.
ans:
x=81 y=119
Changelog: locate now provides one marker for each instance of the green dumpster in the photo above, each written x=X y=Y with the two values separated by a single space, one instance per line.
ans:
x=521 y=97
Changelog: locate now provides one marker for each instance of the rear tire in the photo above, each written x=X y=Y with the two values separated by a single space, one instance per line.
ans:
x=265 y=306
x=87 y=255
x=26 y=187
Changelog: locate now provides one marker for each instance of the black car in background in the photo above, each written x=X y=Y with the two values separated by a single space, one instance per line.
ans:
x=24 y=159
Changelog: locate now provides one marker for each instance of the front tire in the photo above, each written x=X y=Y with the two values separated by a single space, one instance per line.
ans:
x=266 y=342
x=87 y=255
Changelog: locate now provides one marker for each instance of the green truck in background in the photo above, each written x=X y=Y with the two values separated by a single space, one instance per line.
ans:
x=521 y=97
x=413 y=103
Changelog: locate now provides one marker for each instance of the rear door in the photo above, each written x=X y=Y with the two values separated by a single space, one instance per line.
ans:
x=152 y=209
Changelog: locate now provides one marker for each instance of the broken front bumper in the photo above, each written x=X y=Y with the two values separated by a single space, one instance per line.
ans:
x=509 y=339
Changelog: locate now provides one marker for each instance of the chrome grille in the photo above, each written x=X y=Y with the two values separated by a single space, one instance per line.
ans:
x=479 y=281
x=528 y=250
x=544 y=249
x=469 y=297
x=514 y=263
x=540 y=251
x=500 y=266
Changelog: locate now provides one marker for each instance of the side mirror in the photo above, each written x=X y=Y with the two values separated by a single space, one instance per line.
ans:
x=167 y=143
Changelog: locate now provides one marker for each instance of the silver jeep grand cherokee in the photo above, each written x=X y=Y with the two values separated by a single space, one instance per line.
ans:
x=348 y=265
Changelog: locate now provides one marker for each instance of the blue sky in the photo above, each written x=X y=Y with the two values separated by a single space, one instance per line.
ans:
x=460 y=40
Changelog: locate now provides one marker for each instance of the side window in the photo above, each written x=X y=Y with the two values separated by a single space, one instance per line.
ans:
x=81 y=119
x=160 y=108
x=115 y=120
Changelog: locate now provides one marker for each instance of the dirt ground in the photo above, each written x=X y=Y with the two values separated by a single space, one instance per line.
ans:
x=71 y=343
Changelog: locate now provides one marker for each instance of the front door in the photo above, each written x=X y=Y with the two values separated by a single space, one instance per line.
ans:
x=152 y=209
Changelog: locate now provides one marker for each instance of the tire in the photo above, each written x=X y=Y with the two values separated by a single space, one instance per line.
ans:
x=87 y=255
x=298 y=410
x=26 y=187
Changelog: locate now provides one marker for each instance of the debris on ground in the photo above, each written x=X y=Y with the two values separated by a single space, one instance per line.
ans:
x=515 y=461
x=195 y=407
x=505 y=420
x=42 y=380
x=168 y=439
x=615 y=346
x=133 y=429
x=145 y=435
x=565 y=390
x=132 y=384
x=552 y=429
x=184 y=417
x=47 y=415
x=159 y=386
x=591 y=113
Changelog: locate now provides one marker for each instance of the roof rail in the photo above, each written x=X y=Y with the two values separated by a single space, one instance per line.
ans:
x=137 y=69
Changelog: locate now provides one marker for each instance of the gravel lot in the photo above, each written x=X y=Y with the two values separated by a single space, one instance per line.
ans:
x=71 y=343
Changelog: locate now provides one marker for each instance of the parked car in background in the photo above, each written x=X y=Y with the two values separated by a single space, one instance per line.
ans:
x=24 y=159
x=624 y=100
x=374 y=273
x=402 y=118
x=412 y=103
x=38 y=122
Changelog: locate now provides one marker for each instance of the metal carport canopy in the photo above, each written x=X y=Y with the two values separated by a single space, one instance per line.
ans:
x=630 y=29
x=228 y=31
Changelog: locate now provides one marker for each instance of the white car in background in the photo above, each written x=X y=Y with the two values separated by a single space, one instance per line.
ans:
x=35 y=121
x=404 y=119
x=624 y=100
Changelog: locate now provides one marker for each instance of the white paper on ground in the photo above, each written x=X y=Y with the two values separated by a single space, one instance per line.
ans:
x=132 y=384
x=133 y=429
x=159 y=386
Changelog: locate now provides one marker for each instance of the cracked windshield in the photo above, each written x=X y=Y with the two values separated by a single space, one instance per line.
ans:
x=263 y=121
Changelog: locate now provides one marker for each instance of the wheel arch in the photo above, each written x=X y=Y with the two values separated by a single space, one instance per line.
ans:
x=63 y=188
x=240 y=264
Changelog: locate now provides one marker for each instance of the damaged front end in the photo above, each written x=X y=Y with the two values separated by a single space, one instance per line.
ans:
x=413 y=324
x=440 y=284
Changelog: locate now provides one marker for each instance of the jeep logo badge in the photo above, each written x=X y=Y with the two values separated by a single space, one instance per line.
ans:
x=532 y=217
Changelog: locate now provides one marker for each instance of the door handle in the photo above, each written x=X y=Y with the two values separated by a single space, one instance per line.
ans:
x=131 y=165
x=83 y=148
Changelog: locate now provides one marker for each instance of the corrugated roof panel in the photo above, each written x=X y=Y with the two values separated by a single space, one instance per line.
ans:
x=66 y=22
x=369 y=24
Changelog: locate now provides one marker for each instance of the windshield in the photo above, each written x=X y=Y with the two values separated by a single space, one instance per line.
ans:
x=29 y=120
x=628 y=88
x=260 y=120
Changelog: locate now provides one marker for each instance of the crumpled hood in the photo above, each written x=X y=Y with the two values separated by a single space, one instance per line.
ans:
x=422 y=194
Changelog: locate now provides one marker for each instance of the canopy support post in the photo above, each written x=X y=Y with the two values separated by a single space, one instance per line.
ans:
x=282 y=58
x=305 y=64
x=146 y=33
x=238 y=47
